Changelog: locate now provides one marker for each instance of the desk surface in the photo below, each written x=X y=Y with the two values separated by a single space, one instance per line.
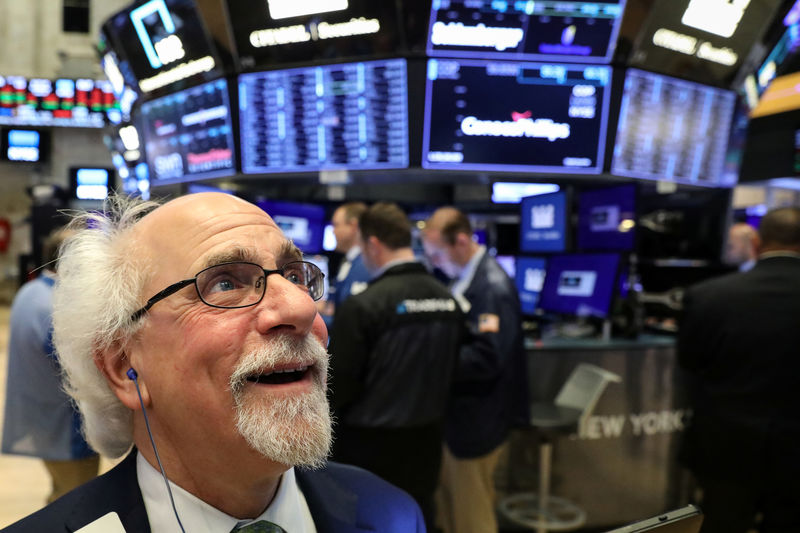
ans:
x=643 y=341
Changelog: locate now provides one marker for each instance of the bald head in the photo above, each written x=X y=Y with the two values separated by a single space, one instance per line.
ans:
x=448 y=222
x=780 y=230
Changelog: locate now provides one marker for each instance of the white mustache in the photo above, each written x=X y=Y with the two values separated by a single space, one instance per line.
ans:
x=283 y=350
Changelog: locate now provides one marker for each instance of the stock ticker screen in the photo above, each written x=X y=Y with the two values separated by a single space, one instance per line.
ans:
x=188 y=134
x=352 y=116
x=672 y=129
x=525 y=30
x=81 y=103
x=513 y=116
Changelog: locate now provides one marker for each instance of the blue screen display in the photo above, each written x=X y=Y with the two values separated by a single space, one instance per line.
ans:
x=584 y=31
x=302 y=223
x=543 y=225
x=22 y=145
x=348 y=116
x=607 y=218
x=580 y=285
x=188 y=134
x=91 y=183
x=530 y=274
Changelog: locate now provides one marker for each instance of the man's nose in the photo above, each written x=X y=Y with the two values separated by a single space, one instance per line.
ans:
x=286 y=306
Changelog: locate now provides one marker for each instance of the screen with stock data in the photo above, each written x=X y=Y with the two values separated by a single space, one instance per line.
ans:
x=671 y=129
x=348 y=116
x=188 y=134
x=514 y=116
x=525 y=30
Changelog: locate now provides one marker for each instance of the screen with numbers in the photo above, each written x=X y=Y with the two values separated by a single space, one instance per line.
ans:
x=670 y=129
x=350 y=116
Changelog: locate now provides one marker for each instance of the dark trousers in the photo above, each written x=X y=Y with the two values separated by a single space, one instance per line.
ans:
x=409 y=458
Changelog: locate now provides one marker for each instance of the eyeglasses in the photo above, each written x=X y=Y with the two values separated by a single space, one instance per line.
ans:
x=239 y=284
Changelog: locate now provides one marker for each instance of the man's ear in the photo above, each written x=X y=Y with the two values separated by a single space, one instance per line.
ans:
x=115 y=364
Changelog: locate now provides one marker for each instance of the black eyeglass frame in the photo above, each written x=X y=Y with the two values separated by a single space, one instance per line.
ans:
x=175 y=287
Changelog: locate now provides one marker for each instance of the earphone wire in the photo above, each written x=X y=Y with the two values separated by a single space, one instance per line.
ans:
x=158 y=459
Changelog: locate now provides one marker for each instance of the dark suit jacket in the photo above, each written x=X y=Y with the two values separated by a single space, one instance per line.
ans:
x=489 y=389
x=342 y=499
x=740 y=342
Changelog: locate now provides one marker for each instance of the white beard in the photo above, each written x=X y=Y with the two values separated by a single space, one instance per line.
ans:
x=291 y=431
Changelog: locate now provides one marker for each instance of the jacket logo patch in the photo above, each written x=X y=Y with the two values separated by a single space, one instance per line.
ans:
x=428 y=305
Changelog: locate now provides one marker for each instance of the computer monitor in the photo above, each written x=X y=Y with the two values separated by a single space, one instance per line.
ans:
x=543 y=226
x=580 y=284
x=607 y=218
x=530 y=274
x=302 y=223
x=87 y=183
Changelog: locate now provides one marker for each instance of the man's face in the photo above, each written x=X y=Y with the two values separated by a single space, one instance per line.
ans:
x=440 y=253
x=345 y=231
x=248 y=381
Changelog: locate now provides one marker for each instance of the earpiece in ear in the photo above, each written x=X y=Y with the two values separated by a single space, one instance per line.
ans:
x=132 y=375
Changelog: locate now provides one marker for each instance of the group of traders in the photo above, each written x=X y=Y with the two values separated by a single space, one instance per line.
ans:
x=191 y=337
x=183 y=343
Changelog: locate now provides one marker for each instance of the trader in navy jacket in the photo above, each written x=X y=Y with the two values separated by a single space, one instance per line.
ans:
x=218 y=380
x=489 y=391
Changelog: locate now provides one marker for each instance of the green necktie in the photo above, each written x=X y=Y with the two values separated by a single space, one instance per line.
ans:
x=262 y=526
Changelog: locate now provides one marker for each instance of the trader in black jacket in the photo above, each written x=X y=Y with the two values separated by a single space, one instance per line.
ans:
x=739 y=340
x=393 y=352
x=489 y=392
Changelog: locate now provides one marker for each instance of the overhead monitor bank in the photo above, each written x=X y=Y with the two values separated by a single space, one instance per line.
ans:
x=515 y=116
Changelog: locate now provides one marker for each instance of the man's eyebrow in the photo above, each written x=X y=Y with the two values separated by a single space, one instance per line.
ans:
x=289 y=252
x=229 y=256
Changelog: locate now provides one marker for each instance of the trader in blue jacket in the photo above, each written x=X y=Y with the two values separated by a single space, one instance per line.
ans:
x=191 y=342
x=489 y=392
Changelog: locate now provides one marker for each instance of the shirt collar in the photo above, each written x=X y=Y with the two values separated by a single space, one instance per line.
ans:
x=468 y=272
x=288 y=508
x=381 y=271
x=352 y=253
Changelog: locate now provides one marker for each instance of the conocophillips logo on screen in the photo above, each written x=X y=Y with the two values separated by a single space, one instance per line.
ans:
x=520 y=125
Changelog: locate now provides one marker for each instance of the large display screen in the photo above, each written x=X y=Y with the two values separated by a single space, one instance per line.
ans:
x=303 y=224
x=530 y=273
x=352 y=116
x=671 y=129
x=510 y=116
x=607 y=218
x=580 y=285
x=560 y=31
x=188 y=134
x=164 y=43
x=87 y=183
x=279 y=31
x=543 y=223
x=78 y=103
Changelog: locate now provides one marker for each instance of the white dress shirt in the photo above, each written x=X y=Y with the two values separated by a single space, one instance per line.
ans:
x=288 y=509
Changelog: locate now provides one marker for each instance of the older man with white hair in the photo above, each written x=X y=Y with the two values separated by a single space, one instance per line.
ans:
x=218 y=380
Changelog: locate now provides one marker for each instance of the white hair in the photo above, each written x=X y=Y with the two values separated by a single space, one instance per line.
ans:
x=100 y=280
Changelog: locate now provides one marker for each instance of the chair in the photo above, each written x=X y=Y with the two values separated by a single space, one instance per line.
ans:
x=566 y=414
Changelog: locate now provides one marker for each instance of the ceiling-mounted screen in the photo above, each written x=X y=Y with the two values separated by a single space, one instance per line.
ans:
x=349 y=116
x=165 y=44
x=670 y=129
x=511 y=116
x=24 y=145
x=188 y=134
x=544 y=31
x=75 y=103
x=268 y=32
